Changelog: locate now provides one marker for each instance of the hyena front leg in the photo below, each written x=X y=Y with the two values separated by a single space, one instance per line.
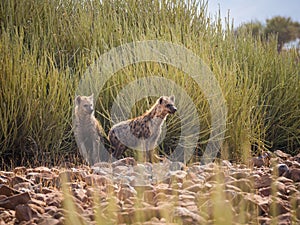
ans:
x=148 y=155
x=118 y=150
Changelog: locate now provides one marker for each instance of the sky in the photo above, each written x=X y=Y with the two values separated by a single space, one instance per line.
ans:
x=243 y=11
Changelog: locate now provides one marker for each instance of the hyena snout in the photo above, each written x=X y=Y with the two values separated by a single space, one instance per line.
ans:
x=89 y=108
x=172 y=109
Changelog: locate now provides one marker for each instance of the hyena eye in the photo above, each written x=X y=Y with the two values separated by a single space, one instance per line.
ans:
x=169 y=105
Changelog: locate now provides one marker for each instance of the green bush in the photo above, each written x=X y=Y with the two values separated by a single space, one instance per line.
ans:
x=46 y=46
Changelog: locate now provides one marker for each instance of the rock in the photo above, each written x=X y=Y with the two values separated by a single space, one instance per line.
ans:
x=126 y=193
x=263 y=160
x=195 y=188
x=7 y=191
x=49 y=221
x=278 y=207
x=263 y=181
x=226 y=163
x=263 y=220
x=298 y=213
x=24 y=212
x=126 y=161
x=282 y=155
x=18 y=179
x=98 y=180
x=177 y=166
x=37 y=202
x=6 y=217
x=265 y=191
x=4 y=180
x=20 y=170
x=12 y=201
x=145 y=214
x=244 y=184
x=149 y=196
x=296 y=164
x=80 y=194
x=143 y=188
x=42 y=169
x=255 y=203
x=187 y=217
x=285 y=180
x=295 y=174
x=178 y=176
x=240 y=175
x=281 y=169
x=296 y=158
x=219 y=177
x=284 y=219
x=24 y=186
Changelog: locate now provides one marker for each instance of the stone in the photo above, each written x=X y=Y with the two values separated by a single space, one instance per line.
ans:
x=255 y=203
x=263 y=181
x=20 y=170
x=298 y=213
x=98 y=180
x=265 y=191
x=281 y=169
x=282 y=155
x=195 y=188
x=129 y=161
x=4 y=180
x=174 y=166
x=49 y=221
x=12 y=201
x=184 y=214
x=149 y=196
x=126 y=193
x=295 y=174
x=178 y=176
x=23 y=213
x=219 y=177
x=278 y=207
x=240 y=175
x=257 y=162
x=80 y=194
x=18 y=179
x=244 y=184
x=284 y=219
x=7 y=191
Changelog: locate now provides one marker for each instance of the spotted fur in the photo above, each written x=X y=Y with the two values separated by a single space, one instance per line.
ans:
x=142 y=132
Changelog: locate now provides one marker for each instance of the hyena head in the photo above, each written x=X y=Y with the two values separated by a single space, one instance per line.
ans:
x=165 y=105
x=85 y=104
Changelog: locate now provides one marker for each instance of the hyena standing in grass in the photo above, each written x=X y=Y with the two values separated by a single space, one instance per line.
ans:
x=141 y=133
x=88 y=131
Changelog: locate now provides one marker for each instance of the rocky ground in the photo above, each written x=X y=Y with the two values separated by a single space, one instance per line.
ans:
x=126 y=192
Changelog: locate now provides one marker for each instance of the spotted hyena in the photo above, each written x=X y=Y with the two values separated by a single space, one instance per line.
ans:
x=88 y=131
x=142 y=132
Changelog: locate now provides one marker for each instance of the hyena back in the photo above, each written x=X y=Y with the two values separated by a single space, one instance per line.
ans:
x=141 y=133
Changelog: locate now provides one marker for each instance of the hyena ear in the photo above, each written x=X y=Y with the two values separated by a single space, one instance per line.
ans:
x=172 y=98
x=160 y=100
x=77 y=100
x=92 y=97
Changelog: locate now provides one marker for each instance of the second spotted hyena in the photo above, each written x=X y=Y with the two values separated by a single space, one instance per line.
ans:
x=88 y=132
x=141 y=133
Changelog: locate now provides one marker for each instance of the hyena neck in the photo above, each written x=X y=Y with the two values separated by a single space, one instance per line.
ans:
x=154 y=113
x=86 y=118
